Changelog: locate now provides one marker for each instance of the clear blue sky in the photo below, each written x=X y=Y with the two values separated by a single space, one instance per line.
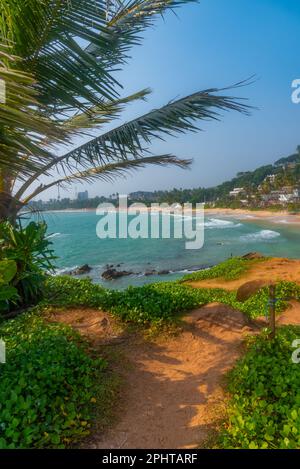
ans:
x=213 y=44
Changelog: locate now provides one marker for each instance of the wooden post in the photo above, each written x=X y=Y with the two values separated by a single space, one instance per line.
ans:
x=272 y=312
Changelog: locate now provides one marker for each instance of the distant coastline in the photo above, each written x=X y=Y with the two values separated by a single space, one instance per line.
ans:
x=282 y=216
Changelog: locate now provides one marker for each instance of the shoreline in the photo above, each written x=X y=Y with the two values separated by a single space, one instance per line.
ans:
x=281 y=217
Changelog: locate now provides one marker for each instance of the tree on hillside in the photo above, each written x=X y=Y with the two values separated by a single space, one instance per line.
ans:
x=66 y=52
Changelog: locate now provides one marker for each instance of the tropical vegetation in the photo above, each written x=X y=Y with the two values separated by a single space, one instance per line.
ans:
x=25 y=257
x=48 y=364
x=157 y=304
x=47 y=367
x=58 y=60
x=256 y=183
x=263 y=412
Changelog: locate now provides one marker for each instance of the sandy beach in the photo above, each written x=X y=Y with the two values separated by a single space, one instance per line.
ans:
x=268 y=215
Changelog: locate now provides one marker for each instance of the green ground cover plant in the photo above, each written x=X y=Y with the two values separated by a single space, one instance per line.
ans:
x=41 y=400
x=265 y=395
x=231 y=269
x=157 y=303
x=50 y=388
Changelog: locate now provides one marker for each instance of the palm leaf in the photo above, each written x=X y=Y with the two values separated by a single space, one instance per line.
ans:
x=131 y=138
x=98 y=116
x=51 y=36
x=110 y=171
x=126 y=21
x=22 y=125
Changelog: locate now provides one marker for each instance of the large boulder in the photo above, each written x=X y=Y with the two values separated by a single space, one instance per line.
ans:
x=249 y=289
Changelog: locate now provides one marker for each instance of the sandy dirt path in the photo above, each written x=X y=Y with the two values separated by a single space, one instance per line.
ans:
x=173 y=395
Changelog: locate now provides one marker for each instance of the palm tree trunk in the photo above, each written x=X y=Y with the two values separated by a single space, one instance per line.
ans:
x=9 y=206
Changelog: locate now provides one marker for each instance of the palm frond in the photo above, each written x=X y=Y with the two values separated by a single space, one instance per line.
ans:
x=52 y=37
x=132 y=138
x=79 y=124
x=109 y=172
x=126 y=21
x=22 y=125
x=82 y=123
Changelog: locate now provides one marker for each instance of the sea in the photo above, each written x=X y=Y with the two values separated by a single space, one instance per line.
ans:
x=75 y=242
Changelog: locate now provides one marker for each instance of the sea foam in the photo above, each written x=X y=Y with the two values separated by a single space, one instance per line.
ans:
x=216 y=223
x=260 y=236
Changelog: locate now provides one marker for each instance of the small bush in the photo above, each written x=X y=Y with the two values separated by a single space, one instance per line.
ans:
x=65 y=291
x=154 y=303
x=264 y=407
x=8 y=293
x=48 y=386
x=29 y=248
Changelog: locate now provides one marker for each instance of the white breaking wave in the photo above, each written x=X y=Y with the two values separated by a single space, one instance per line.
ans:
x=53 y=235
x=56 y=235
x=260 y=236
x=64 y=270
x=183 y=271
x=209 y=223
x=217 y=223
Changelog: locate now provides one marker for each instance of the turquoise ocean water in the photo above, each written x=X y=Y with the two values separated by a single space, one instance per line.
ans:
x=75 y=242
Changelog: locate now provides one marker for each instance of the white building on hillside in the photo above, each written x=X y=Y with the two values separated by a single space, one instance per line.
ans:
x=237 y=191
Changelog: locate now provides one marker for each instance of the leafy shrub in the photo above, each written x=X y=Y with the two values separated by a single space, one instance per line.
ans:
x=264 y=407
x=30 y=249
x=67 y=291
x=8 y=293
x=230 y=269
x=48 y=386
x=154 y=303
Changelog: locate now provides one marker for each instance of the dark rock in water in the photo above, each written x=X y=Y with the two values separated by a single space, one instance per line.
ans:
x=150 y=272
x=249 y=289
x=253 y=255
x=112 y=274
x=84 y=269
x=156 y=272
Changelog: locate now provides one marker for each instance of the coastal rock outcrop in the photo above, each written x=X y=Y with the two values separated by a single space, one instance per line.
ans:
x=112 y=274
x=84 y=269
x=253 y=255
x=156 y=272
x=150 y=272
